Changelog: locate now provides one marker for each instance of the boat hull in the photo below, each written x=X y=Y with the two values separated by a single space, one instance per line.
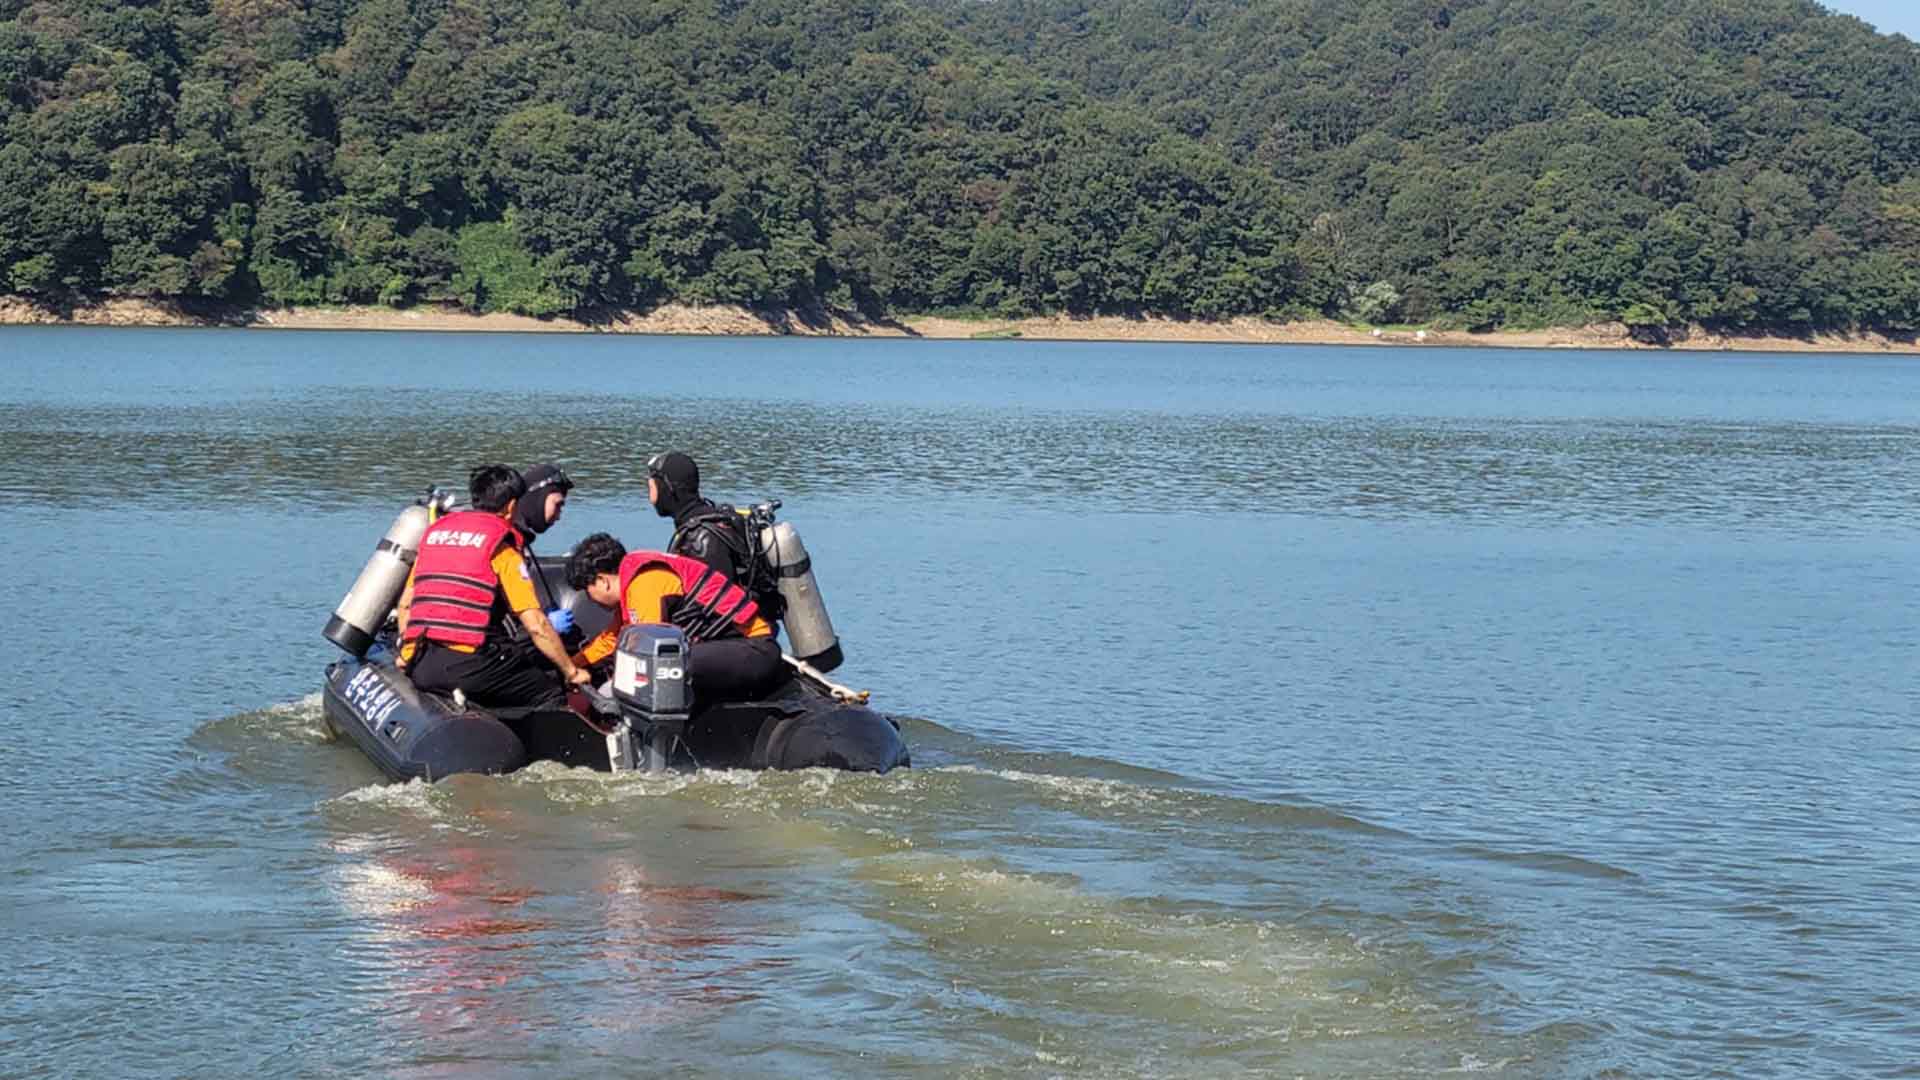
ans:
x=412 y=735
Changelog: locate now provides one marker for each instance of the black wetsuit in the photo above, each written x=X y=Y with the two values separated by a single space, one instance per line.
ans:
x=734 y=668
x=702 y=530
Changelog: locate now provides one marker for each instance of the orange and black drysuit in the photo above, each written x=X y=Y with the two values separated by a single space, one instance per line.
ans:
x=469 y=579
x=732 y=654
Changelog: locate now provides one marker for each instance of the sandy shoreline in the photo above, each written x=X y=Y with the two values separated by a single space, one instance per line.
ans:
x=726 y=320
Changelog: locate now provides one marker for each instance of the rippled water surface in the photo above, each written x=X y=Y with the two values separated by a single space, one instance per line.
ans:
x=1304 y=712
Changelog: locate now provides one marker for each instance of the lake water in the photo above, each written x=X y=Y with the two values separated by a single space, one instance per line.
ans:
x=1294 y=711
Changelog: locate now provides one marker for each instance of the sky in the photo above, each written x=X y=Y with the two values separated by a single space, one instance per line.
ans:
x=1887 y=16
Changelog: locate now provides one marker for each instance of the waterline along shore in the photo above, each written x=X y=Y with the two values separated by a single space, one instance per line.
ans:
x=741 y=321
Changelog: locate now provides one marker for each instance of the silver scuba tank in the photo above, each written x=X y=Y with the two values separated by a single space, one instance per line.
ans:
x=809 y=631
x=364 y=610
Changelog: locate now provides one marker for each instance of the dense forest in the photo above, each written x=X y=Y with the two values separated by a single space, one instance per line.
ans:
x=1503 y=162
x=1480 y=162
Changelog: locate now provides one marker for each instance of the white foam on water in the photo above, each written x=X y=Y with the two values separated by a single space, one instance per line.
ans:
x=768 y=792
x=415 y=797
x=1000 y=887
x=586 y=788
x=1209 y=965
x=1107 y=794
x=410 y=795
x=300 y=720
x=843 y=790
x=308 y=706
x=1232 y=954
x=1470 y=1063
x=778 y=805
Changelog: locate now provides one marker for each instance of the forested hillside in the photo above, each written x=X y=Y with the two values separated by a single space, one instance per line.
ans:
x=545 y=155
x=1491 y=162
x=1749 y=162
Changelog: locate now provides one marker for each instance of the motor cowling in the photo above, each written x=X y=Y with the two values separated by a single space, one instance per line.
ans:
x=364 y=610
x=809 y=629
x=654 y=688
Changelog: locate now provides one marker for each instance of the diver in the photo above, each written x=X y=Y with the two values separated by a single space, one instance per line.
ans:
x=731 y=652
x=702 y=528
x=469 y=579
x=539 y=510
x=764 y=557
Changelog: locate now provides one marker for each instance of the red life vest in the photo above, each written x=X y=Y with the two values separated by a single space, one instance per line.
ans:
x=455 y=588
x=712 y=606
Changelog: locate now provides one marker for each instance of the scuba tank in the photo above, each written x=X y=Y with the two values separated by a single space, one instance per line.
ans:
x=809 y=630
x=364 y=610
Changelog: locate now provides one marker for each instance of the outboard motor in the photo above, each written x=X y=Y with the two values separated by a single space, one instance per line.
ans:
x=364 y=610
x=809 y=630
x=650 y=682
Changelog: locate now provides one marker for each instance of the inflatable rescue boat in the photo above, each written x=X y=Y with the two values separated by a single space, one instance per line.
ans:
x=649 y=719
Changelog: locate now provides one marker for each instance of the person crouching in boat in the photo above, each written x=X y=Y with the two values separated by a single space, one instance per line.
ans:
x=732 y=654
x=468 y=580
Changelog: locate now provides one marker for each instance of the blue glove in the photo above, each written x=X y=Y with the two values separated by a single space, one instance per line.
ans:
x=562 y=620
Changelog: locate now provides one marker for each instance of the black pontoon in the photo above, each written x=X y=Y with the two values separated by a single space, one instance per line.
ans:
x=648 y=721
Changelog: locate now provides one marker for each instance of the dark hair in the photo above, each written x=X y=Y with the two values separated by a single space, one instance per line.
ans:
x=597 y=554
x=492 y=487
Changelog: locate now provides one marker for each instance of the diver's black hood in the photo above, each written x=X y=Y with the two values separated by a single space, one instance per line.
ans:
x=679 y=480
x=530 y=516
